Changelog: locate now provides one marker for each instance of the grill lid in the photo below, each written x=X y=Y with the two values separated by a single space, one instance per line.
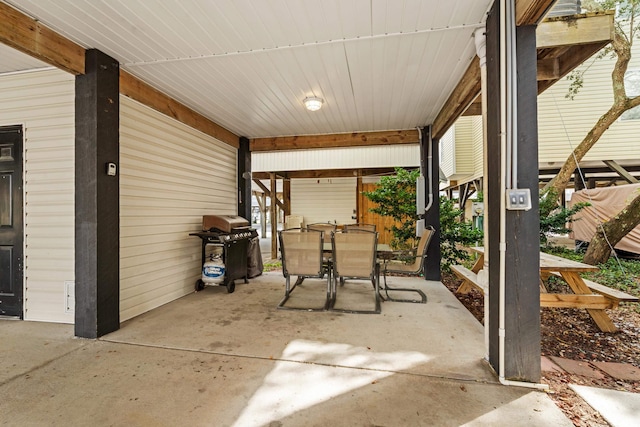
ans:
x=225 y=223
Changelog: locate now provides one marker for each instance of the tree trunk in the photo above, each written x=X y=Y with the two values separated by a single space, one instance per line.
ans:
x=615 y=229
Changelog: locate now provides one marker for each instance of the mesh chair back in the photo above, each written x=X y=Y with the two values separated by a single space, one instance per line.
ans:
x=421 y=251
x=325 y=227
x=354 y=254
x=301 y=252
x=367 y=227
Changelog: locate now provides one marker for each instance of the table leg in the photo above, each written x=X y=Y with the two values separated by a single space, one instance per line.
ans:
x=479 y=264
x=578 y=286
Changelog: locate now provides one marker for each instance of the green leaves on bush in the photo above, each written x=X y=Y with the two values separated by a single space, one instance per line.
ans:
x=455 y=234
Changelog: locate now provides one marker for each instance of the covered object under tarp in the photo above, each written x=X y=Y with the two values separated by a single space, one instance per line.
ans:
x=605 y=202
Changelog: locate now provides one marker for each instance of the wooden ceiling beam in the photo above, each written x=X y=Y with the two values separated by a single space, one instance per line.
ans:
x=135 y=88
x=29 y=36
x=408 y=136
x=581 y=29
x=327 y=173
x=460 y=99
x=531 y=12
x=563 y=43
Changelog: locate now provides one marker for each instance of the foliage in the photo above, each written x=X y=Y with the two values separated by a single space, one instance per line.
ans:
x=272 y=265
x=616 y=273
x=556 y=219
x=455 y=234
x=395 y=197
x=627 y=26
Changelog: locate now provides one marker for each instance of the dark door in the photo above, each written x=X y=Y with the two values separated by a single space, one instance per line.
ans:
x=11 y=221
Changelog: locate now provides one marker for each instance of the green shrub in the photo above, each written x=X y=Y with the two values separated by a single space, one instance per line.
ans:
x=455 y=234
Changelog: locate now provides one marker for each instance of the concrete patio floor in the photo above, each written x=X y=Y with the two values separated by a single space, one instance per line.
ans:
x=218 y=359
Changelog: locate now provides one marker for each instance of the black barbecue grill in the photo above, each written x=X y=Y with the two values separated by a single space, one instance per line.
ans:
x=235 y=235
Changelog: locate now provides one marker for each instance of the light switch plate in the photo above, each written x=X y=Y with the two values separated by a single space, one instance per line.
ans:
x=518 y=199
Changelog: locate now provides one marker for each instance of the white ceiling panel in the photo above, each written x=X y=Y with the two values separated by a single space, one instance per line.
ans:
x=13 y=60
x=248 y=64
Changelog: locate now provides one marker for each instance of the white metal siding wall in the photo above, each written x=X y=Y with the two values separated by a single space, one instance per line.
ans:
x=324 y=200
x=478 y=146
x=44 y=102
x=562 y=123
x=404 y=155
x=464 y=147
x=448 y=152
x=170 y=175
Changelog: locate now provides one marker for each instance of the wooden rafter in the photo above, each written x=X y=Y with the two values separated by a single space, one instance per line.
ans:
x=460 y=99
x=563 y=43
x=408 y=136
x=530 y=12
x=624 y=174
x=29 y=36
x=326 y=173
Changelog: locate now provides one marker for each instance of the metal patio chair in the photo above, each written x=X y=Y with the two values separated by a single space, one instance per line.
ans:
x=354 y=257
x=325 y=227
x=301 y=251
x=414 y=268
x=359 y=226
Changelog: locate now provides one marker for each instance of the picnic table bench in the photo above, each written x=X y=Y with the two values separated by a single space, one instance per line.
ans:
x=589 y=295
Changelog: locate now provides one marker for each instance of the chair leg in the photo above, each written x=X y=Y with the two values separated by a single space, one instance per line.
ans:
x=287 y=293
x=387 y=288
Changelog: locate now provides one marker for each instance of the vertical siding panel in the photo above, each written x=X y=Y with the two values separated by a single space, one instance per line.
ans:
x=44 y=102
x=324 y=200
x=170 y=175
x=448 y=152
x=464 y=149
x=477 y=146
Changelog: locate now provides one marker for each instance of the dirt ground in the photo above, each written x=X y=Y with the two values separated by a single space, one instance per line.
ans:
x=572 y=334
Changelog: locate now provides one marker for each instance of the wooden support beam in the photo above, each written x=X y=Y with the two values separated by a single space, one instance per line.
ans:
x=267 y=192
x=585 y=28
x=286 y=196
x=614 y=166
x=29 y=36
x=327 y=173
x=359 y=201
x=136 y=89
x=562 y=44
x=548 y=69
x=461 y=97
x=530 y=12
x=263 y=187
x=408 y=136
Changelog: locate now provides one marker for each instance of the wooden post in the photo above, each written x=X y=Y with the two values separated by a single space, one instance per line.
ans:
x=244 y=179
x=432 y=215
x=286 y=196
x=274 y=217
x=359 y=214
x=97 y=197
x=521 y=246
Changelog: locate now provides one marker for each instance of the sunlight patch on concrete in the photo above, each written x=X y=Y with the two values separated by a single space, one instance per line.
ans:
x=293 y=386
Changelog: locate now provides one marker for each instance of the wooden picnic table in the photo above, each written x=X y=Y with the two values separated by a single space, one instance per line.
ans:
x=583 y=296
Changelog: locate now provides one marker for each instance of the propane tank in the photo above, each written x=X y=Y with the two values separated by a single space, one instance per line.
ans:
x=213 y=270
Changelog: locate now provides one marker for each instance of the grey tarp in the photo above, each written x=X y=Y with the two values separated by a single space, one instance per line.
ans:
x=606 y=202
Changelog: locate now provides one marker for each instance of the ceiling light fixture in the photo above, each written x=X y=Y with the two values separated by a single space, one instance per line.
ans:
x=313 y=103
